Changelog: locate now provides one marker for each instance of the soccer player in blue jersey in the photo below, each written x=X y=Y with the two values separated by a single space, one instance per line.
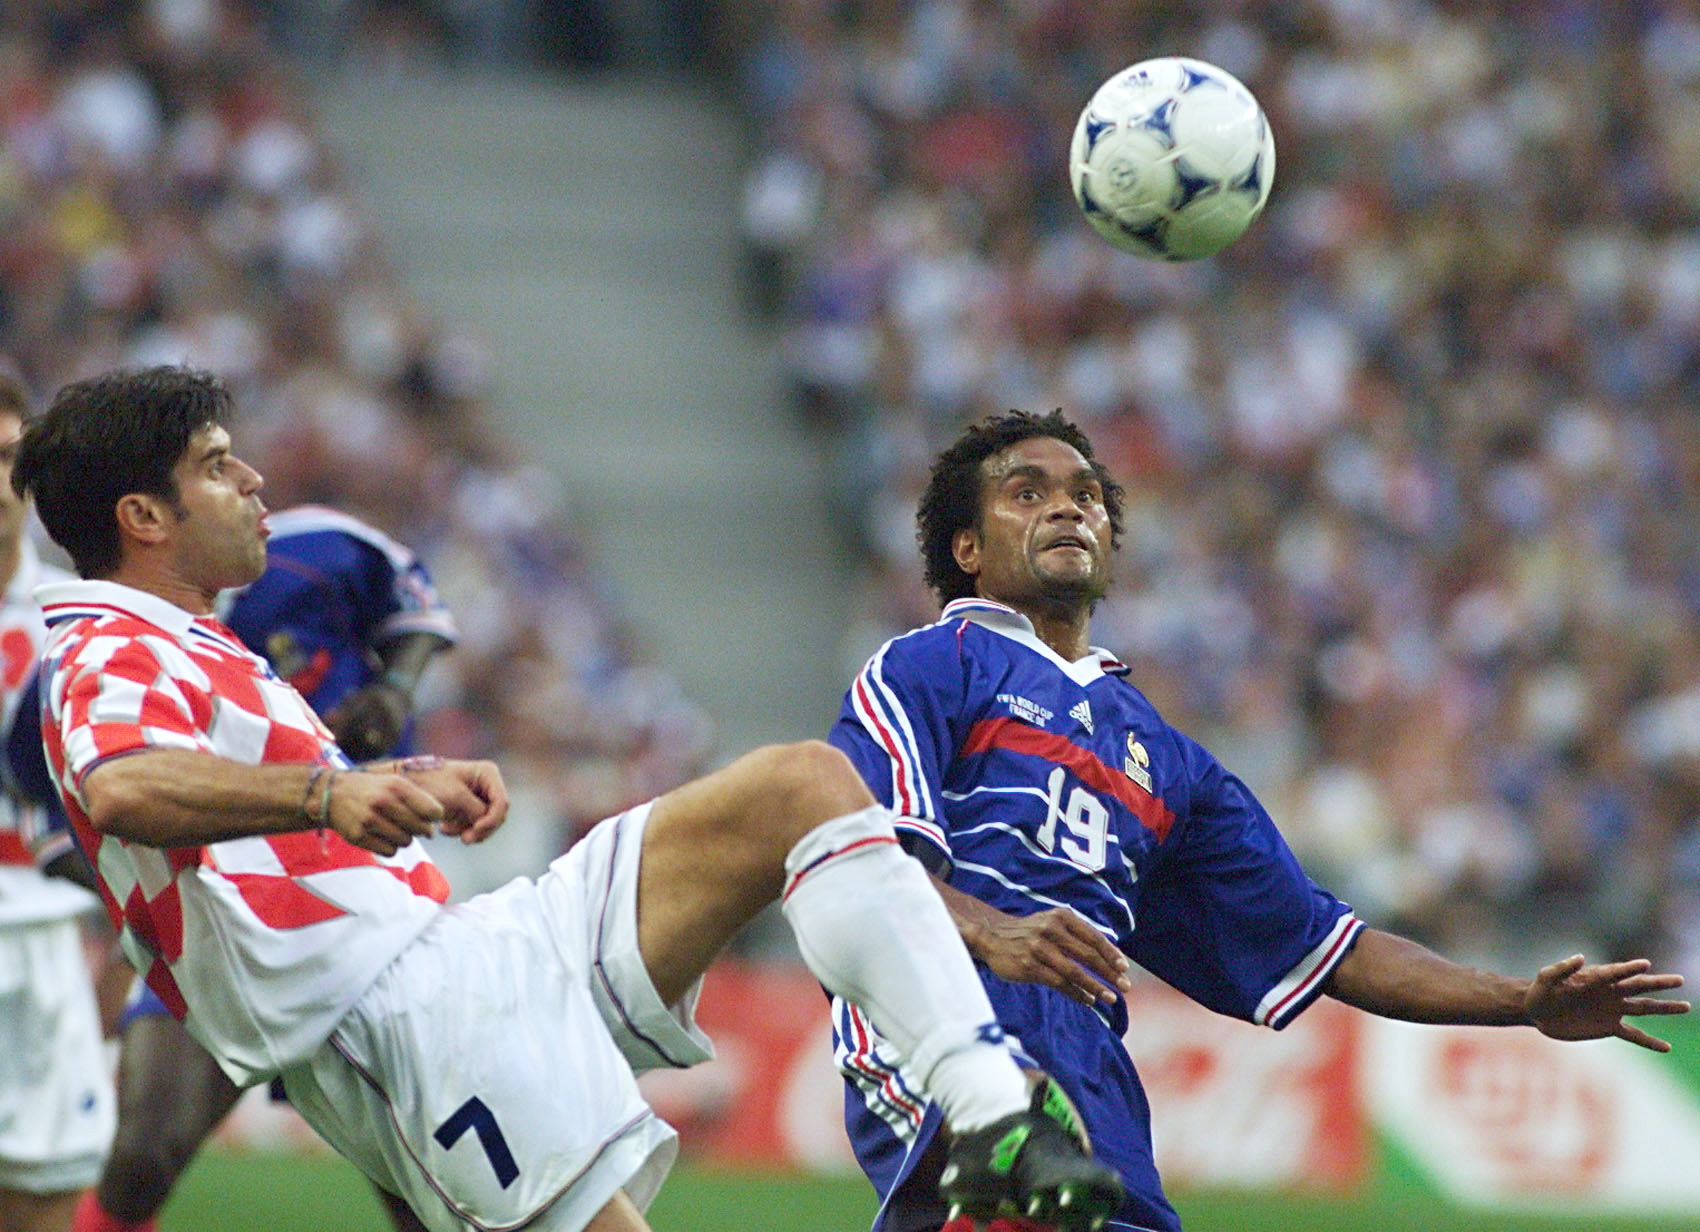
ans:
x=1070 y=830
x=351 y=619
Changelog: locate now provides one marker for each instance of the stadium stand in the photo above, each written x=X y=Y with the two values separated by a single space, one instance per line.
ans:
x=167 y=196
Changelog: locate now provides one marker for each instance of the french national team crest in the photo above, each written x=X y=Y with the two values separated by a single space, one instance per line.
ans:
x=1138 y=762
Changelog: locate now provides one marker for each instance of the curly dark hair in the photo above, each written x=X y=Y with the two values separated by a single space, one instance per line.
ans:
x=952 y=499
x=107 y=436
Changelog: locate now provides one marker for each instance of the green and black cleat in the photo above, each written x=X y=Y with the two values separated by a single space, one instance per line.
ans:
x=1036 y=1164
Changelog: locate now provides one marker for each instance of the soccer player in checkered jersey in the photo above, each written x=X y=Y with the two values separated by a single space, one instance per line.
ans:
x=56 y=1101
x=350 y=618
x=477 y=1060
x=1070 y=829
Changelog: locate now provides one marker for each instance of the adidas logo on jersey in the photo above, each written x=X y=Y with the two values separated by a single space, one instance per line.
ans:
x=1081 y=713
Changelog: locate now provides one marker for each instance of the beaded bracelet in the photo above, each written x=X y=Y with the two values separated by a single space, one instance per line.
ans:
x=324 y=812
x=312 y=782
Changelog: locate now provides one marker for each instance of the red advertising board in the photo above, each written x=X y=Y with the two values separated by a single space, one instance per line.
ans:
x=771 y=1097
x=1238 y=1105
x=1495 y=1118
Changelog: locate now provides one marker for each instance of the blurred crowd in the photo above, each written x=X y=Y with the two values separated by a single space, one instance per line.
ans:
x=574 y=35
x=165 y=196
x=1413 y=526
x=1414 y=469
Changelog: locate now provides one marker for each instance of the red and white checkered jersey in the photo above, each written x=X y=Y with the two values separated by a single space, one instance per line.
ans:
x=259 y=944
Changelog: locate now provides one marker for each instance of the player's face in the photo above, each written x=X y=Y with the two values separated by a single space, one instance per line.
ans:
x=11 y=505
x=1044 y=534
x=219 y=531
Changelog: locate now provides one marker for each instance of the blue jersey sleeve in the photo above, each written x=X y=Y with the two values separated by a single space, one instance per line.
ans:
x=373 y=592
x=332 y=596
x=46 y=828
x=414 y=607
x=896 y=725
x=1228 y=917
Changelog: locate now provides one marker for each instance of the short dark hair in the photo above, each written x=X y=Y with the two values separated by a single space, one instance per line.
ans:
x=104 y=438
x=952 y=499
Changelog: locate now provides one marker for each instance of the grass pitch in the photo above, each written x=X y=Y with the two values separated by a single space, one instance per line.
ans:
x=233 y=1192
x=228 y=1192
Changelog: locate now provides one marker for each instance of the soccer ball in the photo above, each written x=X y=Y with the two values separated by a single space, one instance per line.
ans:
x=1172 y=159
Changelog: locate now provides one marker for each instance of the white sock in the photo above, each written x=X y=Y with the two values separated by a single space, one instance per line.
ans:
x=874 y=931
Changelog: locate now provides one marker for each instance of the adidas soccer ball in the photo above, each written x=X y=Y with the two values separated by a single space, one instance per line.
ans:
x=1172 y=159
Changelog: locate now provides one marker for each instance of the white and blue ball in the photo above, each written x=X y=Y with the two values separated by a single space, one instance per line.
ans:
x=1172 y=159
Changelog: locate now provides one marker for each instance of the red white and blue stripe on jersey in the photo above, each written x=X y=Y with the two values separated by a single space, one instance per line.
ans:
x=867 y=1062
x=882 y=714
x=1032 y=782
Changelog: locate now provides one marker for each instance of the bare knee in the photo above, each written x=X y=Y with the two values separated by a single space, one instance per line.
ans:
x=171 y=1097
x=804 y=784
x=742 y=820
x=714 y=850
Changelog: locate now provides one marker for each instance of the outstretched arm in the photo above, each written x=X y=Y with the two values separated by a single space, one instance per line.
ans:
x=178 y=798
x=1568 y=1000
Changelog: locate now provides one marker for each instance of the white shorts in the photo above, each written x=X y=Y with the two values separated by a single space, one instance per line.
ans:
x=57 y=1107
x=488 y=1075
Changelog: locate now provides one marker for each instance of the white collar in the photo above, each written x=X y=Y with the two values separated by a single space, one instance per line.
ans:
x=99 y=597
x=1002 y=619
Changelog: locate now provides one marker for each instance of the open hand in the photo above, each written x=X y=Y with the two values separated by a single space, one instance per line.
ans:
x=1570 y=1000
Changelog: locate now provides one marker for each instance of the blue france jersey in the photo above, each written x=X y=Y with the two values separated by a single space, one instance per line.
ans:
x=334 y=591
x=1029 y=783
